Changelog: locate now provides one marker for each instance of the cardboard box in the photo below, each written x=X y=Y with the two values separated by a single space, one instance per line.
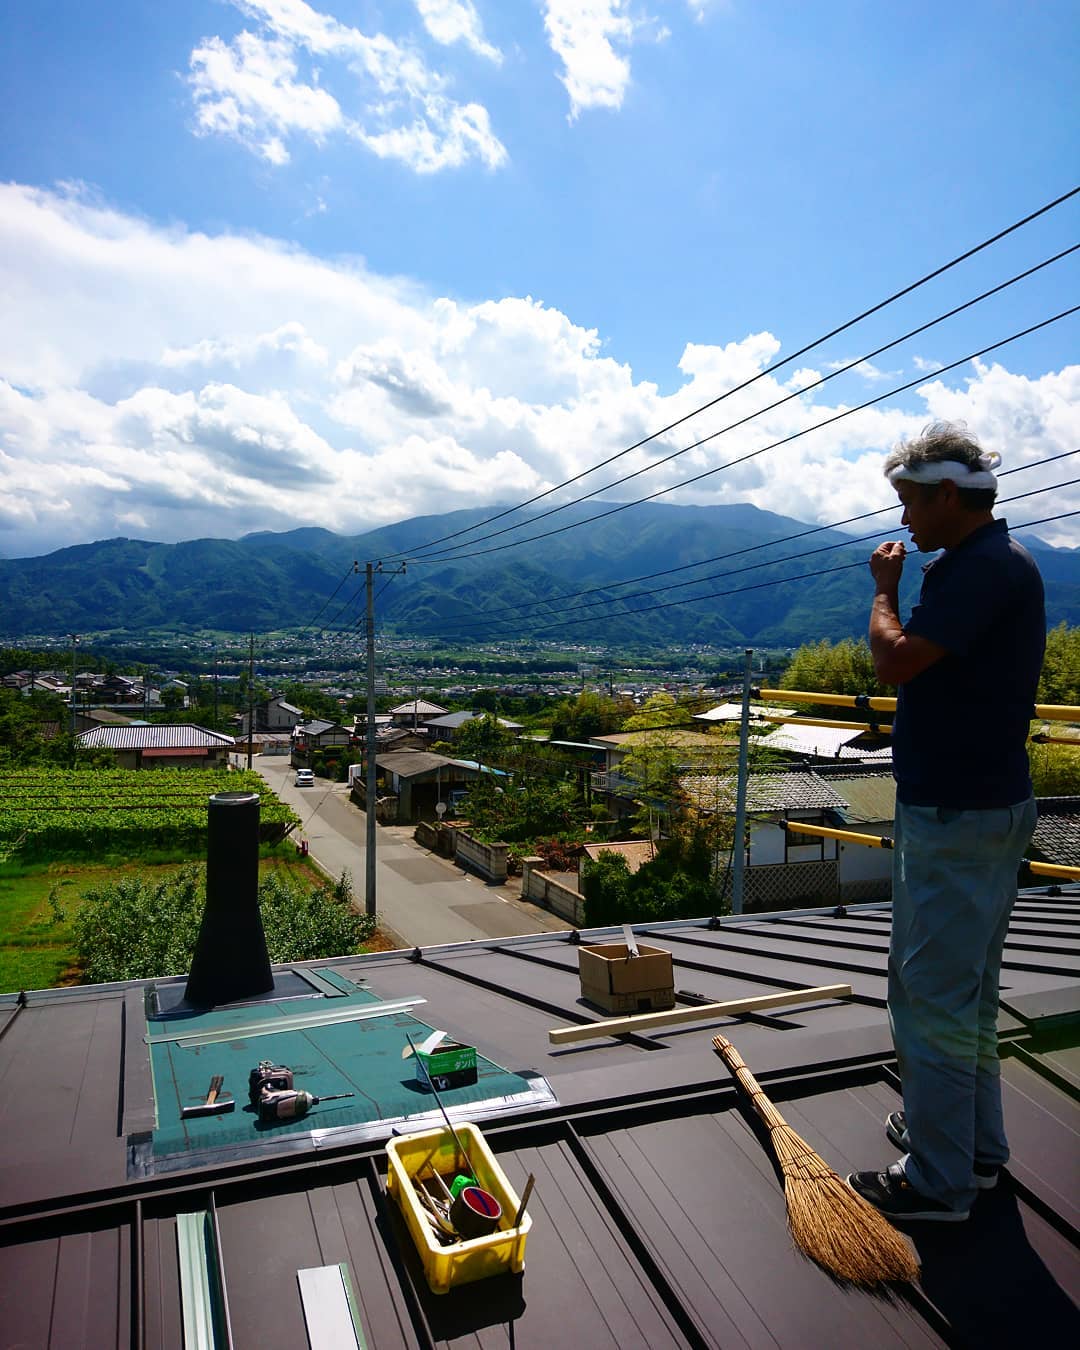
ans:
x=450 y=1065
x=618 y=982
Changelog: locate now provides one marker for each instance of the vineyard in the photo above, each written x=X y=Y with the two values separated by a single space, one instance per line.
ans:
x=101 y=811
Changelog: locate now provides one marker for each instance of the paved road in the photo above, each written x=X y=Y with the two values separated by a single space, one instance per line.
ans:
x=422 y=899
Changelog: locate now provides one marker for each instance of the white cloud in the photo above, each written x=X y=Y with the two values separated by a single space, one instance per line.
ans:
x=924 y=366
x=323 y=393
x=450 y=21
x=251 y=89
x=585 y=36
x=873 y=374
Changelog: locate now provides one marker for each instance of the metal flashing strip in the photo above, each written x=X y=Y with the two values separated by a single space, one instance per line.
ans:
x=322 y=1017
x=330 y=1309
x=199 y=1295
x=319 y=982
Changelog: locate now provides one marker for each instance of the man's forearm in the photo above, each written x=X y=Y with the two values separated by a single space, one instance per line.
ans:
x=886 y=631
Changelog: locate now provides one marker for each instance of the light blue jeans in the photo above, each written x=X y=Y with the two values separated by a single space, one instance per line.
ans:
x=954 y=885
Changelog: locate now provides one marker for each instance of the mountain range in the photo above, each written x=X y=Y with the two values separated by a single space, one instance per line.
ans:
x=770 y=580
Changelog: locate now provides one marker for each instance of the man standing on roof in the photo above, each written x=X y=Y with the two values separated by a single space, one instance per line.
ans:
x=966 y=664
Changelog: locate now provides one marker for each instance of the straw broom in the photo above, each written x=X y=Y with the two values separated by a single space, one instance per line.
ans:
x=828 y=1221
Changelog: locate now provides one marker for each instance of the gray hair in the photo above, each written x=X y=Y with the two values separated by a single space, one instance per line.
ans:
x=940 y=441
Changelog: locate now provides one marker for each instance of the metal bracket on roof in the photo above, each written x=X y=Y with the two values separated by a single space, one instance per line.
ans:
x=321 y=1017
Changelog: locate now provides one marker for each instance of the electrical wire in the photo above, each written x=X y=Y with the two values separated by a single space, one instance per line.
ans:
x=777 y=365
x=750 y=567
x=735 y=553
x=329 y=600
x=777 y=581
x=331 y=624
x=773 y=445
x=450 y=554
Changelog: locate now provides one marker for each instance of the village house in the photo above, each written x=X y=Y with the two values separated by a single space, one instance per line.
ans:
x=142 y=746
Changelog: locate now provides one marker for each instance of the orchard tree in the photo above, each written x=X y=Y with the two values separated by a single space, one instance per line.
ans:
x=1060 y=682
x=845 y=667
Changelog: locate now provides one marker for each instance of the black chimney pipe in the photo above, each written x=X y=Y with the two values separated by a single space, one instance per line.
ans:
x=230 y=961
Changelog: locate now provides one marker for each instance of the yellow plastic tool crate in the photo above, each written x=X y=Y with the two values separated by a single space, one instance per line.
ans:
x=459 y=1262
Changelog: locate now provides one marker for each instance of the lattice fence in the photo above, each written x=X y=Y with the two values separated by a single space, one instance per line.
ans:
x=802 y=885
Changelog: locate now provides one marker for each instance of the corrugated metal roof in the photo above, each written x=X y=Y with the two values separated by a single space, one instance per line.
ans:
x=781 y=791
x=658 y=1217
x=869 y=798
x=143 y=736
x=418 y=707
x=810 y=740
x=732 y=712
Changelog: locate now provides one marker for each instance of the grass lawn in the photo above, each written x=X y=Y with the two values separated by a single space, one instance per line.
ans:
x=37 y=952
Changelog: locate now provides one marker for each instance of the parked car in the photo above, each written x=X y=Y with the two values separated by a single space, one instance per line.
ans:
x=305 y=778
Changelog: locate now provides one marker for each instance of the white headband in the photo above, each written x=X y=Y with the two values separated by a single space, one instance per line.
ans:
x=935 y=471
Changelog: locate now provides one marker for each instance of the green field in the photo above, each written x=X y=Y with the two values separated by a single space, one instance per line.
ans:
x=47 y=812
x=37 y=950
x=65 y=831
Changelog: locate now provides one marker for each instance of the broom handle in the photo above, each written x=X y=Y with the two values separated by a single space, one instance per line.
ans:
x=735 y=1062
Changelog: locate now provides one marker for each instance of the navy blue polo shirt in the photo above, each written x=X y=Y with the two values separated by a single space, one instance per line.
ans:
x=959 y=738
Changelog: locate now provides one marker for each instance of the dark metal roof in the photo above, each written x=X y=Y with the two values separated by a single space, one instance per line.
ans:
x=658 y=1218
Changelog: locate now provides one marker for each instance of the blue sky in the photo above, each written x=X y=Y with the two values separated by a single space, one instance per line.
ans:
x=270 y=263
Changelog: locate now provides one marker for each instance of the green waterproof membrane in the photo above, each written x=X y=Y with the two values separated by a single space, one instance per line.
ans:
x=358 y=1056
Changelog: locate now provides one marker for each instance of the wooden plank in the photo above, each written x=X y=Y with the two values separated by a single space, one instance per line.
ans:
x=620 y=1026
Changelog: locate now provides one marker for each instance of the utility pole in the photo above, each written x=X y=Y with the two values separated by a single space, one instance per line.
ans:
x=370 y=905
x=251 y=698
x=738 y=847
x=74 y=640
x=216 y=727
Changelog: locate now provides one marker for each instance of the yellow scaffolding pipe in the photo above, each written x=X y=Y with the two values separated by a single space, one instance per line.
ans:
x=1048 y=712
x=875 y=704
x=827 y=832
x=885 y=727
x=1038 y=869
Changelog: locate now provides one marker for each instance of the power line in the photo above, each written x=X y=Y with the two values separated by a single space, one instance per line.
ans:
x=742 y=459
x=777 y=365
x=775 y=562
x=735 y=553
x=451 y=553
x=329 y=600
x=803 y=576
x=751 y=567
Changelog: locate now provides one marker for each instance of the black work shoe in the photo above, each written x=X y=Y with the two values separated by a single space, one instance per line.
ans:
x=897 y=1199
x=986 y=1174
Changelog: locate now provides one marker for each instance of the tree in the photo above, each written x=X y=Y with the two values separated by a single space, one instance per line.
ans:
x=1055 y=770
x=588 y=715
x=658 y=710
x=483 y=739
x=845 y=667
x=135 y=929
x=1060 y=682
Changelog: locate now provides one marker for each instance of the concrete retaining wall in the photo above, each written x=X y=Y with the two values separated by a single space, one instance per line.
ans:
x=546 y=890
x=488 y=860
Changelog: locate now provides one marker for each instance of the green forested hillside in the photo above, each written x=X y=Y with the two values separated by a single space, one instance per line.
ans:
x=272 y=581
